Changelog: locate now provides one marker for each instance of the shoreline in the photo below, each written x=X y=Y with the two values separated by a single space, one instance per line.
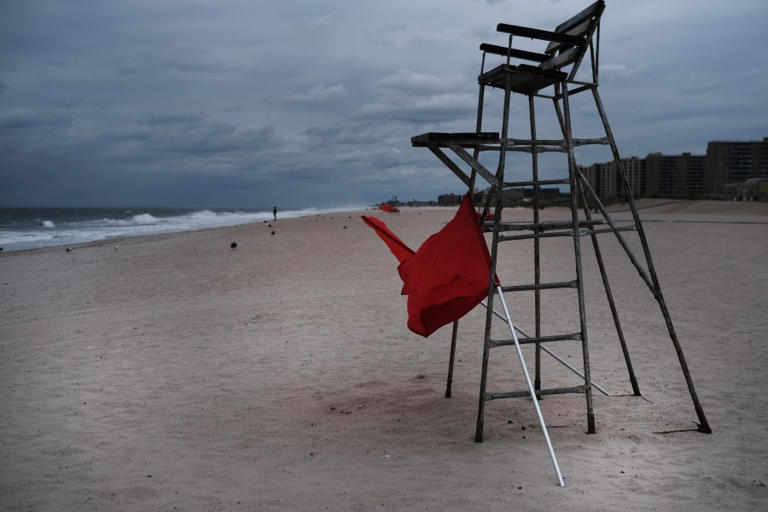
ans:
x=118 y=238
x=696 y=208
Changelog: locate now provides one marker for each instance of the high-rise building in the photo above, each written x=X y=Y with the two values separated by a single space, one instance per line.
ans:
x=602 y=179
x=675 y=175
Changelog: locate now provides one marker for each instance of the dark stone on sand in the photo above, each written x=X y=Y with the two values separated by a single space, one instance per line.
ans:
x=68 y=249
x=345 y=227
x=273 y=231
x=233 y=245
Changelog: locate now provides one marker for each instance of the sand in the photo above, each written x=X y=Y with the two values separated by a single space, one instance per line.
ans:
x=175 y=373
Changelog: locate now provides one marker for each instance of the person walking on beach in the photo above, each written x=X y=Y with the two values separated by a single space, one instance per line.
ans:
x=274 y=212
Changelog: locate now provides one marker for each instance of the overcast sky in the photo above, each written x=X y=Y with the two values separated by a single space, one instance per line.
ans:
x=313 y=103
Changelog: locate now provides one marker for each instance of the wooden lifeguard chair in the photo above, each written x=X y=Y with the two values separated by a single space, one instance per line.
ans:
x=552 y=76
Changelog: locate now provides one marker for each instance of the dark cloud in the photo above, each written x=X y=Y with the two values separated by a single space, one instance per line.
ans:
x=420 y=109
x=21 y=120
x=197 y=103
x=172 y=119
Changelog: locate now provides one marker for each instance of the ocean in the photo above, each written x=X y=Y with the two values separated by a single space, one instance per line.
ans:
x=30 y=228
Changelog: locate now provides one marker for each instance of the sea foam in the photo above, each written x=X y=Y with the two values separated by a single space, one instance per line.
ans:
x=70 y=229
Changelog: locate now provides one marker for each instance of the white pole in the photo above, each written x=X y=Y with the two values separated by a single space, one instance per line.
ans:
x=553 y=354
x=530 y=388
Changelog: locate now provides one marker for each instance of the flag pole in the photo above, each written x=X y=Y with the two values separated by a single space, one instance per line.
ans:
x=530 y=388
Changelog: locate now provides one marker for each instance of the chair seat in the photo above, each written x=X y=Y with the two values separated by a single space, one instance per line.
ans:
x=523 y=79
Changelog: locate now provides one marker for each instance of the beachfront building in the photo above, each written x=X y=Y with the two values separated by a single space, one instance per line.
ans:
x=604 y=178
x=734 y=162
x=680 y=176
x=510 y=197
x=718 y=174
x=449 y=199
x=753 y=189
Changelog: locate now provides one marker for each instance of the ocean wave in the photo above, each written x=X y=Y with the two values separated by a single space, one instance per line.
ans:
x=141 y=219
x=70 y=231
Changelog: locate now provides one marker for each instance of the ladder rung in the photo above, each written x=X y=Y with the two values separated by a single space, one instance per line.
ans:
x=541 y=339
x=510 y=184
x=597 y=140
x=543 y=226
x=539 y=149
x=552 y=234
x=541 y=286
x=512 y=143
x=630 y=227
x=538 y=142
x=549 y=391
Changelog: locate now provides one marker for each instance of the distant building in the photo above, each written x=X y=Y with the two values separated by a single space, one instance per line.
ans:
x=545 y=193
x=449 y=199
x=603 y=180
x=511 y=197
x=753 y=189
x=734 y=162
x=729 y=170
x=679 y=176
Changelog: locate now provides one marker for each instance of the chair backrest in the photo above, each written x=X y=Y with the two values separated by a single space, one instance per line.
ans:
x=583 y=25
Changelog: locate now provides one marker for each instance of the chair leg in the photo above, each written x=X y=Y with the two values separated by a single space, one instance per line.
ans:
x=577 y=252
x=703 y=424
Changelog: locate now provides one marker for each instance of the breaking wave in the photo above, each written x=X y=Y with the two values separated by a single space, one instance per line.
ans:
x=70 y=227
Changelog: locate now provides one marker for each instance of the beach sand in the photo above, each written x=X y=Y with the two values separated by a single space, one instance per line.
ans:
x=174 y=373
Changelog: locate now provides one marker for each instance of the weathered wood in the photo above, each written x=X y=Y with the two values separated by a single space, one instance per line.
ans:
x=451 y=165
x=563 y=59
x=580 y=30
x=462 y=138
x=528 y=142
x=540 y=286
x=656 y=288
x=449 y=382
x=573 y=336
x=517 y=184
x=505 y=51
x=537 y=149
x=556 y=234
x=549 y=391
x=609 y=294
x=477 y=166
x=545 y=226
x=595 y=10
x=535 y=33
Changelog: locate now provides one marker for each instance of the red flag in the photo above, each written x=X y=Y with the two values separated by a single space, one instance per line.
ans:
x=447 y=276
x=401 y=251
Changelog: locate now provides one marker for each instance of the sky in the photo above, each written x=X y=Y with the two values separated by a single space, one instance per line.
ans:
x=313 y=102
